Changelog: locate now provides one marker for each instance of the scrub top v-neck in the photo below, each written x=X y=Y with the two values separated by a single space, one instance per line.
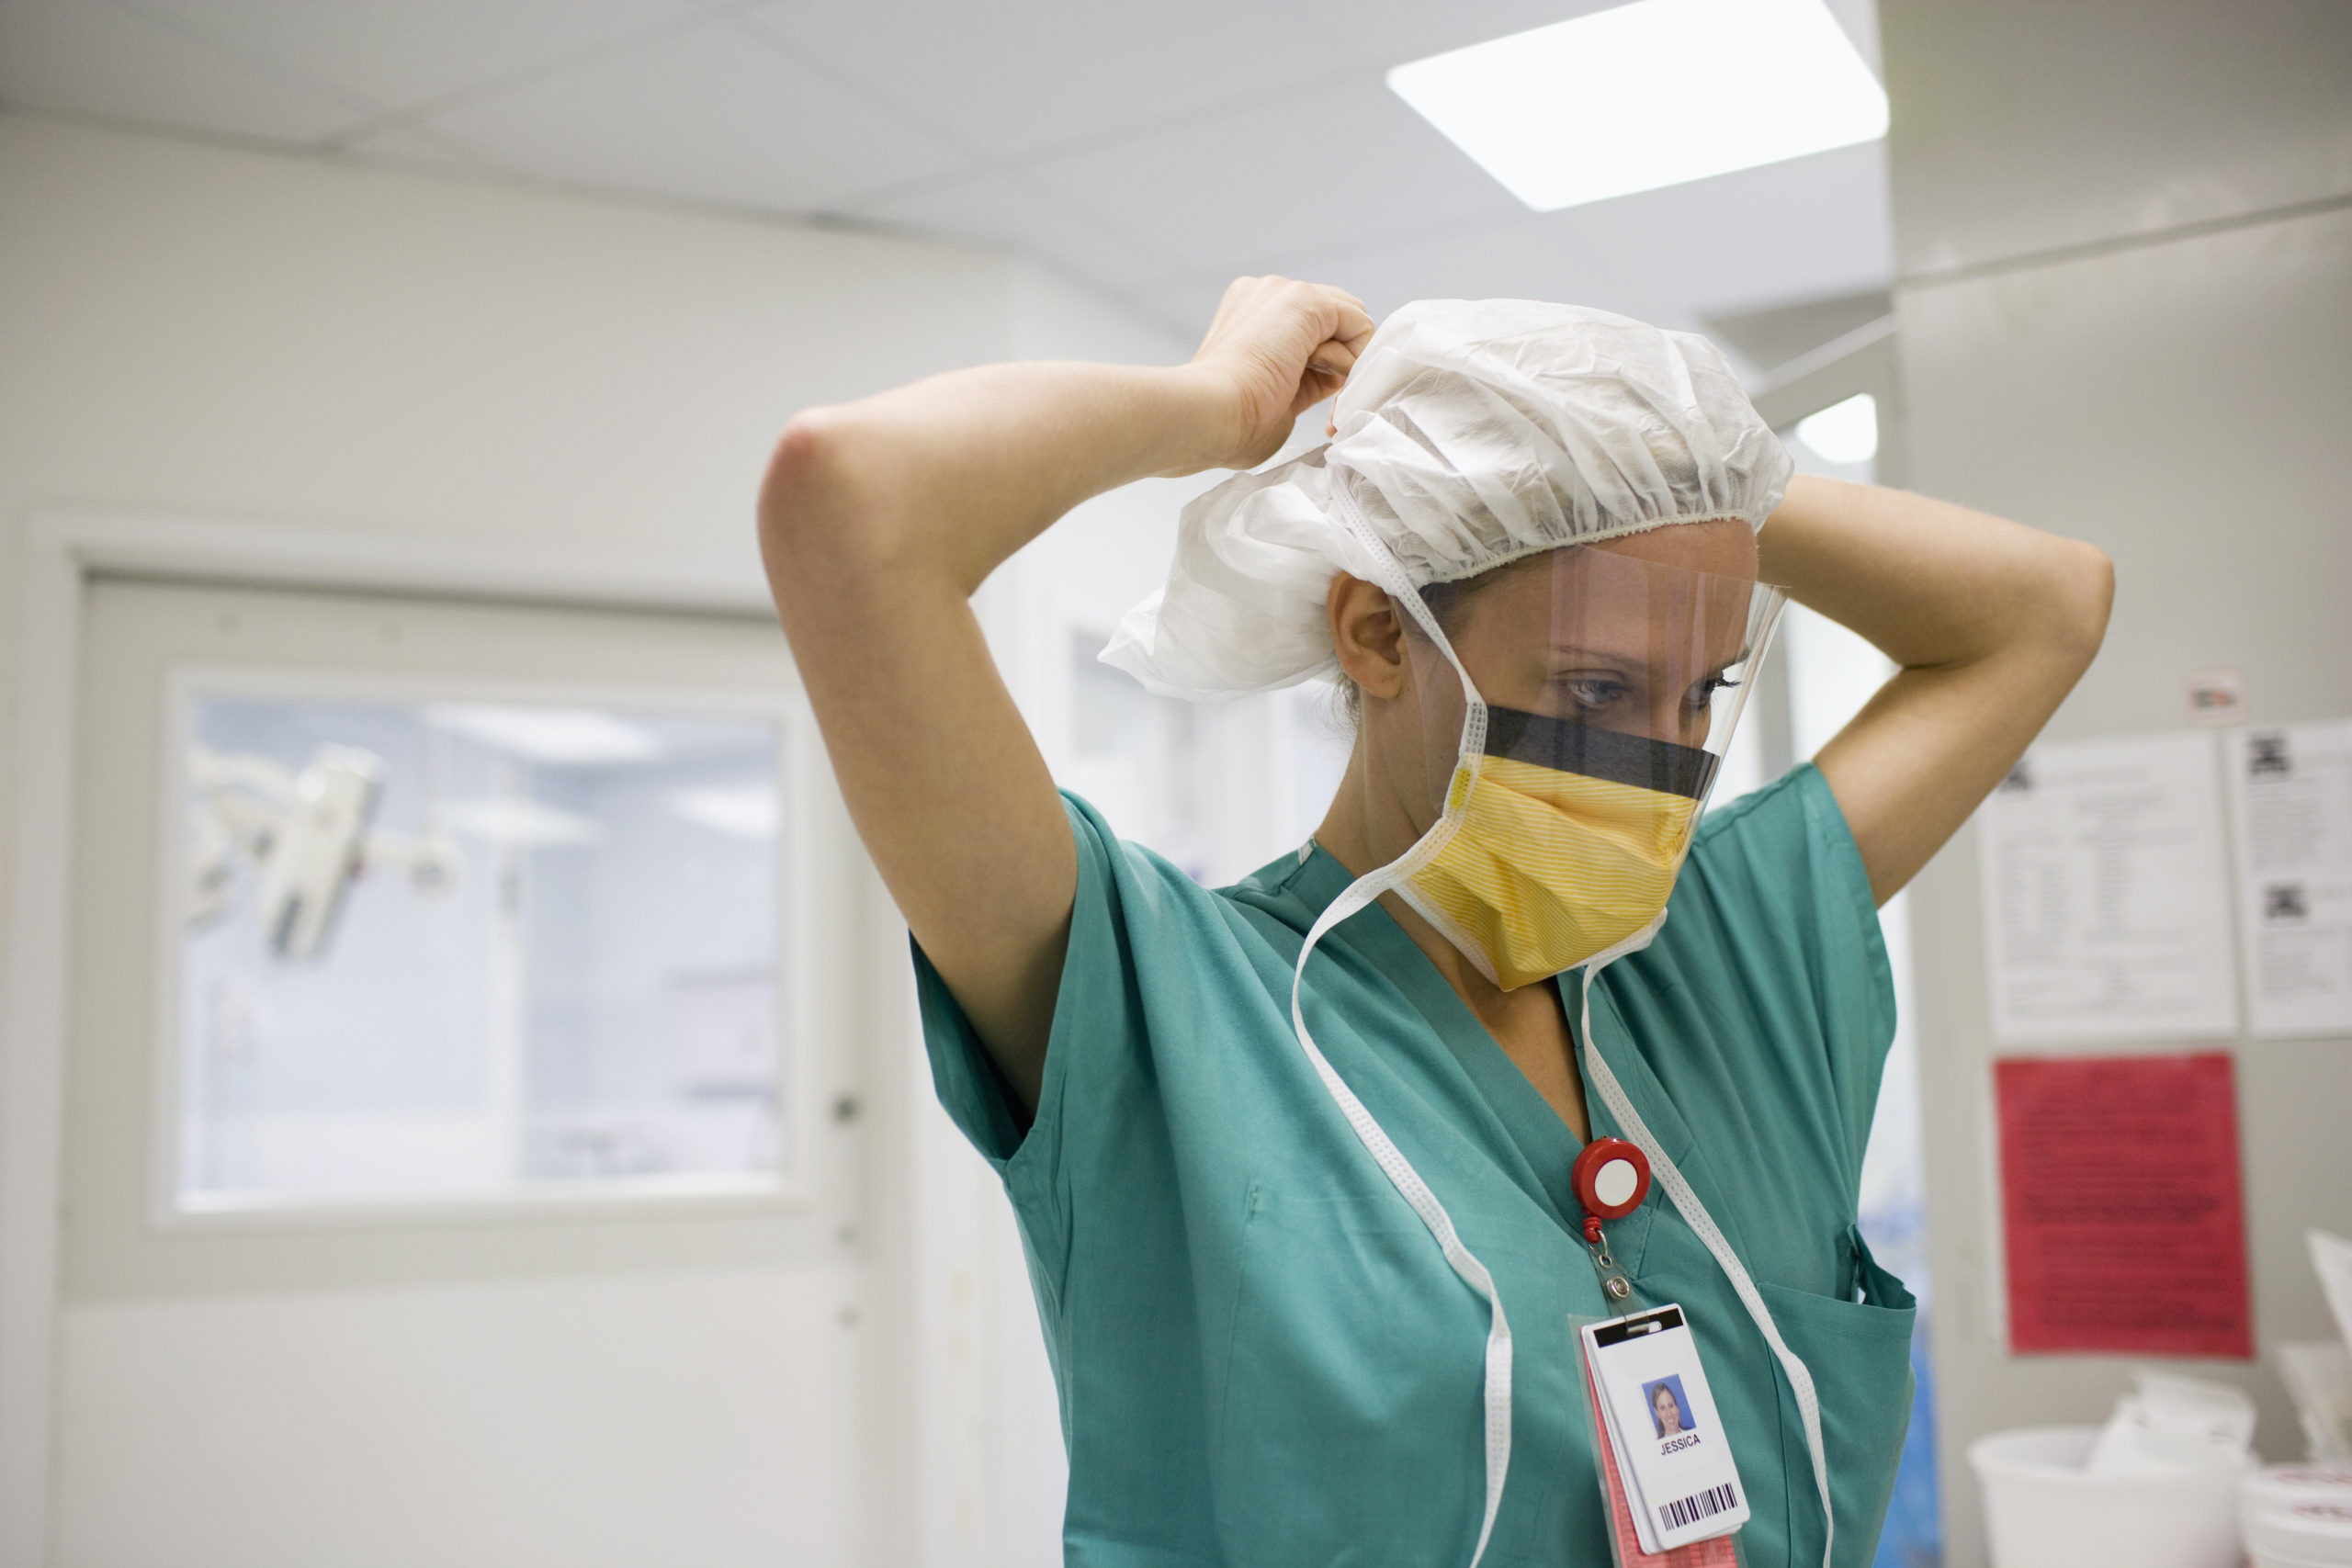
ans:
x=1261 y=1356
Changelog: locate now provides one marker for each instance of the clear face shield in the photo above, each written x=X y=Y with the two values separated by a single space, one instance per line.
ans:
x=1552 y=753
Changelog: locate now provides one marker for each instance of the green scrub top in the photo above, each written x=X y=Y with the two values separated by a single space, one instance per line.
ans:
x=1263 y=1357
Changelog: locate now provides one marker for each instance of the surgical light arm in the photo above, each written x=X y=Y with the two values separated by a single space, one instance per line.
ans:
x=310 y=834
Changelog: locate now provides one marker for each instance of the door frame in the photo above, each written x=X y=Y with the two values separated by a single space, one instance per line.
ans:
x=63 y=548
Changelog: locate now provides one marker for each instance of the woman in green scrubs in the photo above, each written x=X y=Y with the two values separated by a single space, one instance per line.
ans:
x=1261 y=1356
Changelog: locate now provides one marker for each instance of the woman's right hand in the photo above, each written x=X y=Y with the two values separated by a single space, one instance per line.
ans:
x=1276 y=348
x=878 y=521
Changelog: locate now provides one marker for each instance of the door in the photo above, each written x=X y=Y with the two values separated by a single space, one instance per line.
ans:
x=461 y=1133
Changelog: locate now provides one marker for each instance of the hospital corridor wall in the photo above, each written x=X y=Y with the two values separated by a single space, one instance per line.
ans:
x=2124 y=310
x=358 y=364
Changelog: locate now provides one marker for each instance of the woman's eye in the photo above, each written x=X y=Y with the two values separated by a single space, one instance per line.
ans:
x=1704 y=691
x=1593 y=692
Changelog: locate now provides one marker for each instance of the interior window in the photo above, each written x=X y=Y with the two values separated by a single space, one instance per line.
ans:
x=444 y=949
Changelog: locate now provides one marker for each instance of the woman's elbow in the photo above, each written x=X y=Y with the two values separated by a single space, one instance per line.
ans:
x=824 y=514
x=2083 y=587
x=806 y=495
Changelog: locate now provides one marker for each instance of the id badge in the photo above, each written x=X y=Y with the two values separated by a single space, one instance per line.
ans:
x=1625 y=1541
x=1651 y=1395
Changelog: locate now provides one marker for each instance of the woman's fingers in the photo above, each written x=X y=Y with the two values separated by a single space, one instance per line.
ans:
x=1335 y=357
x=1326 y=372
x=1285 y=345
x=1327 y=366
x=1355 y=320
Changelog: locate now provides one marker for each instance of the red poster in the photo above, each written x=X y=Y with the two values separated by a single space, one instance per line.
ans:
x=2121 y=1196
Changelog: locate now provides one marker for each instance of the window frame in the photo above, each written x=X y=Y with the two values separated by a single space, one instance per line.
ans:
x=801 y=770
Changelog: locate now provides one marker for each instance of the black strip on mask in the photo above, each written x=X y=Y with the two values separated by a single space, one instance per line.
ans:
x=1609 y=754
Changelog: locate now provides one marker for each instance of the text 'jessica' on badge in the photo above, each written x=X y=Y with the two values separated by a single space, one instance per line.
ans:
x=1661 y=1422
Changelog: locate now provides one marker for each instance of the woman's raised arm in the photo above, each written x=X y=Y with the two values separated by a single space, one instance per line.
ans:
x=879 y=518
x=1991 y=622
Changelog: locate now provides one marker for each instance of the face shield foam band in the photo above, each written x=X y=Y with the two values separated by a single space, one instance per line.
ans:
x=1659 y=766
x=1629 y=759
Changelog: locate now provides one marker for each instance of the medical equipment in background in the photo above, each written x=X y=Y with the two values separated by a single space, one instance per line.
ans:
x=2158 y=1486
x=2318 y=1375
x=2300 y=1515
x=309 y=836
x=2297 y=1515
x=2044 y=1507
x=2172 y=1479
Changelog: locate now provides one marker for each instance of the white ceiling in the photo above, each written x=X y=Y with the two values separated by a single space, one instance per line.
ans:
x=1150 y=152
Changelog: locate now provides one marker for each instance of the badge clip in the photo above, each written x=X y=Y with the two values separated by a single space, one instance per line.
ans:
x=1609 y=1177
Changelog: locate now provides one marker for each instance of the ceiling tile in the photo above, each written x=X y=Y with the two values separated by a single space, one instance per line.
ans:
x=1150 y=153
x=421 y=150
x=1382 y=33
x=1005 y=210
x=400 y=52
x=1346 y=165
x=1016 y=79
x=1518 y=259
x=1800 y=229
x=98 y=58
x=711 y=113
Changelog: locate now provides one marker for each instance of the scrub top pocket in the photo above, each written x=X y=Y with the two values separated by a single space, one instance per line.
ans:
x=1860 y=1355
x=1350 y=1423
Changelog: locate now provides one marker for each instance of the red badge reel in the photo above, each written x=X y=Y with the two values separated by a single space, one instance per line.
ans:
x=1609 y=1177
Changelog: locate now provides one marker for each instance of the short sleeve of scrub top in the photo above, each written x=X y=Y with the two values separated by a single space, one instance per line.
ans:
x=1261 y=1356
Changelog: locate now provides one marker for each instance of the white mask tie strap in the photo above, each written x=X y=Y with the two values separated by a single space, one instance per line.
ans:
x=1694 y=1213
x=1377 y=1142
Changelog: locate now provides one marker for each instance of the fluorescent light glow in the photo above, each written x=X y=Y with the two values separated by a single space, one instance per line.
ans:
x=1649 y=95
x=567 y=737
x=743 y=811
x=1843 y=433
x=519 y=822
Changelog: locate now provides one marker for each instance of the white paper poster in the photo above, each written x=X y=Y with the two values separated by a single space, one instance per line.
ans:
x=2107 y=895
x=2291 y=797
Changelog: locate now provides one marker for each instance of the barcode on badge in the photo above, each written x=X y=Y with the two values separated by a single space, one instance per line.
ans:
x=1691 y=1509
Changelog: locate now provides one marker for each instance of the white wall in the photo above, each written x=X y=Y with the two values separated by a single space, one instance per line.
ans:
x=213 y=332
x=2125 y=239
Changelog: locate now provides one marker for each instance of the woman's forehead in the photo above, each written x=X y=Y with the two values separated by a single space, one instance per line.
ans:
x=1596 y=599
x=1720 y=555
x=1724 y=547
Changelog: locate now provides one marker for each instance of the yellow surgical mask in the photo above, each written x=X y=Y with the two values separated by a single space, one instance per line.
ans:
x=1551 y=863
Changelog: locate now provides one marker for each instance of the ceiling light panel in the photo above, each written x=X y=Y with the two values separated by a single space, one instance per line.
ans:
x=1654 y=94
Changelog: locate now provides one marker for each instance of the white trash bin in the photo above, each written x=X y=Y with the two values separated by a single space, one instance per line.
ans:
x=2298 y=1516
x=2042 y=1509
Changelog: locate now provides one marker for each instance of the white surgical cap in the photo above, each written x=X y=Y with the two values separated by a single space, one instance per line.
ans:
x=1471 y=433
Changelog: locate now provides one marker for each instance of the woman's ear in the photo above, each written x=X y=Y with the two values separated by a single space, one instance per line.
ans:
x=1368 y=636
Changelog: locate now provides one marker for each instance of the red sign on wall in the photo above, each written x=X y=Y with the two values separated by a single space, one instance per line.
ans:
x=2123 y=1204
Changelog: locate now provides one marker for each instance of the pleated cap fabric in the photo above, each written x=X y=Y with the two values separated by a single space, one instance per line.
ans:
x=1471 y=433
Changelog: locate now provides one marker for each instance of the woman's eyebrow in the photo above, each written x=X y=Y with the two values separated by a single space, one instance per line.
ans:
x=1561 y=652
